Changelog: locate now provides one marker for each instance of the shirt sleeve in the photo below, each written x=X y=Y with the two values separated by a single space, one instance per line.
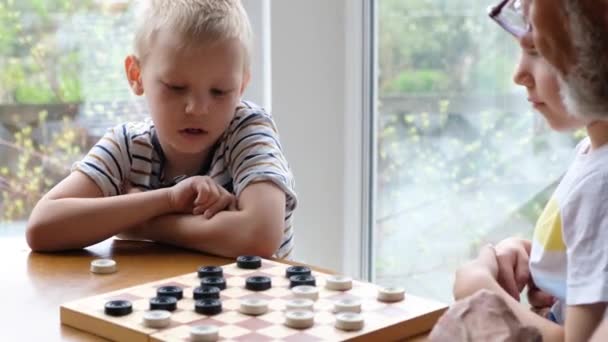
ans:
x=108 y=162
x=256 y=155
x=585 y=229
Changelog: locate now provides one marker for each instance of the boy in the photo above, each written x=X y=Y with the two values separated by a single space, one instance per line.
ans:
x=568 y=255
x=208 y=173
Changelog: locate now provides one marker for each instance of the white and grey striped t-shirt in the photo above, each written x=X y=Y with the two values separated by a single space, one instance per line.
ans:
x=249 y=151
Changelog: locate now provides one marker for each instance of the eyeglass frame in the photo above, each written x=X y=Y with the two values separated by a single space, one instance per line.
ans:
x=494 y=13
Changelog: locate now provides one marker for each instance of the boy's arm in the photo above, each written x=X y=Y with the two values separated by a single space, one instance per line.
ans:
x=74 y=214
x=481 y=273
x=582 y=320
x=255 y=228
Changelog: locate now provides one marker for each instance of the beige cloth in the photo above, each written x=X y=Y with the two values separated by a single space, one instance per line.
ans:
x=483 y=316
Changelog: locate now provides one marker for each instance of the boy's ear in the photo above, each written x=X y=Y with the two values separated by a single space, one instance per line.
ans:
x=133 y=71
x=246 y=79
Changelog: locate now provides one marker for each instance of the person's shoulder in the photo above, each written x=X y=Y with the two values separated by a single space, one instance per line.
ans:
x=250 y=118
x=249 y=111
x=134 y=131
x=583 y=146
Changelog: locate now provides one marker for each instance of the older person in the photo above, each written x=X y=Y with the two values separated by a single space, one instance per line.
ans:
x=573 y=36
x=569 y=257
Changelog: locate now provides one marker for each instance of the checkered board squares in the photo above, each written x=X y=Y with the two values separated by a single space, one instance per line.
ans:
x=383 y=321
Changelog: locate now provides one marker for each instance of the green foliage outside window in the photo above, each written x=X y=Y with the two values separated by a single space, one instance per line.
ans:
x=36 y=73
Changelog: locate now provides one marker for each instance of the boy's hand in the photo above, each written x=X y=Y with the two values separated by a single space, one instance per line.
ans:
x=513 y=255
x=200 y=195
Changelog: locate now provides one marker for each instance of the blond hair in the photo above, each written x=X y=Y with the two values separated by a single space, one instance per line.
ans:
x=196 y=21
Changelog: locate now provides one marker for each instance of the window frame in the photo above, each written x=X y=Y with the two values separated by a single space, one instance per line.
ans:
x=360 y=136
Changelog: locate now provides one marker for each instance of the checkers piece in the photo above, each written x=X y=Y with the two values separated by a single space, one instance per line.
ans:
x=218 y=282
x=118 y=308
x=157 y=319
x=349 y=321
x=305 y=291
x=206 y=292
x=347 y=305
x=391 y=294
x=300 y=319
x=297 y=280
x=163 y=303
x=297 y=270
x=249 y=262
x=253 y=306
x=170 y=291
x=258 y=283
x=204 y=333
x=210 y=271
x=103 y=266
x=299 y=304
x=208 y=307
x=339 y=283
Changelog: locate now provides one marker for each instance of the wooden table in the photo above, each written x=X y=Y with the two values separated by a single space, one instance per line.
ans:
x=34 y=285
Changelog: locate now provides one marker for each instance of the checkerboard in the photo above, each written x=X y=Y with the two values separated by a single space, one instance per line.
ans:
x=383 y=321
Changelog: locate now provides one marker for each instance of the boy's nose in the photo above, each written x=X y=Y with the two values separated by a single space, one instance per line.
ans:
x=197 y=106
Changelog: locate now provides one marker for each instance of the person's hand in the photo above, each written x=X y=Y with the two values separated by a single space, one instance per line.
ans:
x=540 y=301
x=200 y=195
x=479 y=273
x=513 y=255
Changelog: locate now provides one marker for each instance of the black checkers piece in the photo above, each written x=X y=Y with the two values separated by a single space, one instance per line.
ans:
x=210 y=271
x=208 y=307
x=118 y=308
x=297 y=270
x=170 y=291
x=249 y=262
x=258 y=283
x=218 y=282
x=302 y=279
x=163 y=303
x=206 y=292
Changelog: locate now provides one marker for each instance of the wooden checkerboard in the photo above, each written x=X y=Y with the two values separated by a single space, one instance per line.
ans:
x=383 y=321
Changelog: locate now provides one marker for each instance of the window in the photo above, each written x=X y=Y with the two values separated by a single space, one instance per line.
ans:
x=460 y=158
x=62 y=86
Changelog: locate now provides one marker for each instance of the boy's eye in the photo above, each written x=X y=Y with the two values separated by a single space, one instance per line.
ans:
x=175 y=87
x=218 y=92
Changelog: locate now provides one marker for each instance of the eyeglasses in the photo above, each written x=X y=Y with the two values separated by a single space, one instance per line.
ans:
x=509 y=14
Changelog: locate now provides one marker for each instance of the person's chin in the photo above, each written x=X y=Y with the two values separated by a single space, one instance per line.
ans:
x=562 y=127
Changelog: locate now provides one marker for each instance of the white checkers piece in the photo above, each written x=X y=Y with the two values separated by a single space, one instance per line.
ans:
x=339 y=283
x=299 y=304
x=253 y=306
x=157 y=319
x=305 y=291
x=391 y=294
x=103 y=266
x=349 y=321
x=299 y=319
x=347 y=305
x=204 y=333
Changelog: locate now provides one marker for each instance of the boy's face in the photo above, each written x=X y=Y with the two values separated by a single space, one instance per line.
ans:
x=541 y=82
x=192 y=92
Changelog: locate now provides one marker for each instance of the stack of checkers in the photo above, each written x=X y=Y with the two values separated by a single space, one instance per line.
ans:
x=197 y=307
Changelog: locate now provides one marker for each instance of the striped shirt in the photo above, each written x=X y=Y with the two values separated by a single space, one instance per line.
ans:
x=248 y=151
